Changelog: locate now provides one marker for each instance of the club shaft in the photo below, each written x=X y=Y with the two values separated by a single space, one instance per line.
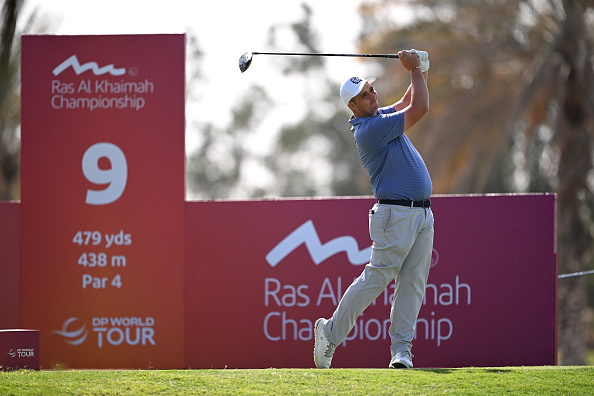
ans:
x=326 y=54
x=576 y=274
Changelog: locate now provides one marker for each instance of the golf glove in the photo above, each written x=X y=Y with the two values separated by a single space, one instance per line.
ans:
x=423 y=57
x=425 y=65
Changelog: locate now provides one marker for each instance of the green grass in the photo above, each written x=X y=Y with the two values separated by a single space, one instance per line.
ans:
x=464 y=381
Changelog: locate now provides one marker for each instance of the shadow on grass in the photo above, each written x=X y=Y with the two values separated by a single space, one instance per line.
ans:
x=451 y=370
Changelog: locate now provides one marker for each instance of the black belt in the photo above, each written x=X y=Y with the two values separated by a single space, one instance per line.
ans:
x=406 y=202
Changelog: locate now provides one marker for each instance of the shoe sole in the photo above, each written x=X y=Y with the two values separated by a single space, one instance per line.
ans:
x=316 y=341
x=399 y=366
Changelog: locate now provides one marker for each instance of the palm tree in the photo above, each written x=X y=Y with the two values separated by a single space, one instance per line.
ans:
x=512 y=109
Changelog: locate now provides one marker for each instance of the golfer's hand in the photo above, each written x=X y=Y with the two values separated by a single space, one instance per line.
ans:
x=409 y=59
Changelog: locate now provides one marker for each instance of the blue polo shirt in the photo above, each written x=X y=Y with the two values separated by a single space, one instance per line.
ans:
x=395 y=168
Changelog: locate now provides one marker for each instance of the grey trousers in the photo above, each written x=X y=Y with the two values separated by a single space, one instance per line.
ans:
x=401 y=250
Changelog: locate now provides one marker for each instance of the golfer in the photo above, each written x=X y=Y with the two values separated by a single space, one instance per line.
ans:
x=400 y=223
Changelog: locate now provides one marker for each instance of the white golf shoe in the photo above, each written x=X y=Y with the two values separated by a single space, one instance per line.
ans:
x=323 y=348
x=402 y=360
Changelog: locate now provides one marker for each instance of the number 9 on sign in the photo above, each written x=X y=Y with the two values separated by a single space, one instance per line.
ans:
x=115 y=178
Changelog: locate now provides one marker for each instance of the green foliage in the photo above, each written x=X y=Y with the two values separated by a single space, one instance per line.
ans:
x=216 y=167
x=510 y=85
x=319 y=151
x=465 y=381
x=314 y=156
x=498 y=72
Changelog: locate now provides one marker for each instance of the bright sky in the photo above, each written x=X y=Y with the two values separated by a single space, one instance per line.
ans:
x=225 y=30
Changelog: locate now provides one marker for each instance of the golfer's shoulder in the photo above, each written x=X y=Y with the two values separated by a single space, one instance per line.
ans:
x=386 y=117
x=367 y=129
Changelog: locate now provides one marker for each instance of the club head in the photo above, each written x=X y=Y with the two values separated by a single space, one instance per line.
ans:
x=245 y=61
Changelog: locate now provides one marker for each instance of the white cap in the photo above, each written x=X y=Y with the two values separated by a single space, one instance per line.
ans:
x=352 y=87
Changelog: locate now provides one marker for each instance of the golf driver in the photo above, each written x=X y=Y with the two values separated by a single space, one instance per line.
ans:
x=246 y=59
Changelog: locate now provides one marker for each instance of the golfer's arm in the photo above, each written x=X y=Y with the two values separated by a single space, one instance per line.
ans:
x=405 y=101
x=419 y=100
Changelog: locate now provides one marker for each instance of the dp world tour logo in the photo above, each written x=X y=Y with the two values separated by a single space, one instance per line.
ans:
x=22 y=353
x=93 y=66
x=76 y=336
x=110 y=331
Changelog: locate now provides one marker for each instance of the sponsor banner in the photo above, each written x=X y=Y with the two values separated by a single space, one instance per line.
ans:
x=259 y=273
x=103 y=184
x=9 y=265
x=19 y=349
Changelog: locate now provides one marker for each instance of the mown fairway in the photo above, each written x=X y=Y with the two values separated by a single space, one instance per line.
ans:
x=469 y=381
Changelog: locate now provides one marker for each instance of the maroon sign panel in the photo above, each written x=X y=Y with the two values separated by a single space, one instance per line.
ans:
x=258 y=275
x=102 y=212
x=9 y=265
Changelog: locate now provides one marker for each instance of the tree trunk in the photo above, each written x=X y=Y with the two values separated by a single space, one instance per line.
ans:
x=574 y=237
x=9 y=163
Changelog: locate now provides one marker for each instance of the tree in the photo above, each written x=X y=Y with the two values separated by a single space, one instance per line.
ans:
x=311 y=157
x=10 y=94
x=317 y=155
x=215 y=168
x=9 y=102
x=511 y=109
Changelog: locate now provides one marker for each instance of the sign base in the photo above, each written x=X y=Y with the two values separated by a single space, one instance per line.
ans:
x=19 y=349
